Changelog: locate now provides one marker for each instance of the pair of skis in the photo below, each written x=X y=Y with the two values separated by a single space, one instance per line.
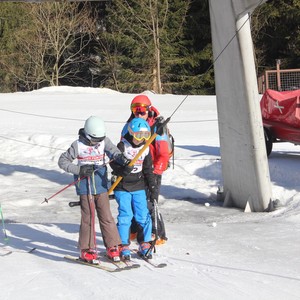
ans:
x=8 y=250
x=133 y=265
x=122 y=265
x=94 y=263
x=105 y=265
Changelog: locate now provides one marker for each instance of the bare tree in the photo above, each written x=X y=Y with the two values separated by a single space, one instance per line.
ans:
x=55 y=41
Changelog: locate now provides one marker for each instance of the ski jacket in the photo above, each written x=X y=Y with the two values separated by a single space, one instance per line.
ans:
x=85 y=153
x=142 y=176
x=159 y=149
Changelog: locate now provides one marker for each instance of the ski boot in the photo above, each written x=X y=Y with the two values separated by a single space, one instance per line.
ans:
x=89 y=255
x=144 y=250
x=113 y=253
x=124 y=252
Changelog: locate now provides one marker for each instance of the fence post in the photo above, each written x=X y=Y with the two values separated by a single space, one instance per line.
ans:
x=278 y=62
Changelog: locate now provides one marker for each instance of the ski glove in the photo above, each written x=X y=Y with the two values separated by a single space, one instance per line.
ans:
x=86 y=170
x=127 y=170
x=153 y=193
x=120 y=159
x=160 y=128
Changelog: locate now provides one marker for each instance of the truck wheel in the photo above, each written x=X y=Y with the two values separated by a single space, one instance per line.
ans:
x=269 y=141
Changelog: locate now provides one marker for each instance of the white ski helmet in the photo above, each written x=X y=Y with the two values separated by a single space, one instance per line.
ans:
x=94 y=127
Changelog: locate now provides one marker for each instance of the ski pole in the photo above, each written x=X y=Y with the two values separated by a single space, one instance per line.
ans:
x=92 y=205
x=152 y=138
x=72 y=183
x=3 y=226
x=153 y=243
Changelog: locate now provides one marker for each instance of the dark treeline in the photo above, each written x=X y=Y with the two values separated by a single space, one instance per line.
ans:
x=131 y=45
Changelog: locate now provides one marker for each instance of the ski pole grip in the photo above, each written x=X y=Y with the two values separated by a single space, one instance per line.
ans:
x=165 y=122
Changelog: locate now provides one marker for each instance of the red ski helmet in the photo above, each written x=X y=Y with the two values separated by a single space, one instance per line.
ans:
x=141 y=99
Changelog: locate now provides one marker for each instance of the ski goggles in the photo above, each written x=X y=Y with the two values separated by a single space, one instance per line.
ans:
x=95 y=140
x=141 y=135
x=139 y=109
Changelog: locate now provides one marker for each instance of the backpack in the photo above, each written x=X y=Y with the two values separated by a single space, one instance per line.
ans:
x=170 y=139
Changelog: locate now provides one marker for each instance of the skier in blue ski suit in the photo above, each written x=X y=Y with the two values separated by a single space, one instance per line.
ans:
x=130 y=192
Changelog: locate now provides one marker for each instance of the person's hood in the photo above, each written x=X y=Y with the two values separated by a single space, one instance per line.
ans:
x=82 y=137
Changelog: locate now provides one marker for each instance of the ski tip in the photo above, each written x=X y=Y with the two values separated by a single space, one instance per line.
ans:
x=161 y=265
x=119 y=269
x=74 y=203
x=135 y=266
x=31 y=250
x=5 y=254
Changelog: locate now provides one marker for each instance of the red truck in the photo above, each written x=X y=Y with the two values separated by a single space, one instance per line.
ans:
x=281 y=117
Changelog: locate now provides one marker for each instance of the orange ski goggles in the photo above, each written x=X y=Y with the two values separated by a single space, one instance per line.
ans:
x=139 y=108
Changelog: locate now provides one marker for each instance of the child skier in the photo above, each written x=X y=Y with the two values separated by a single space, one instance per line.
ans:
x=90 y=150
x=130 y=192
x=160 y=149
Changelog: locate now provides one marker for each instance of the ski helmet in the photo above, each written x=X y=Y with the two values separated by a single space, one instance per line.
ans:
x=94 y=127
x=141 y=99
x=139 y=129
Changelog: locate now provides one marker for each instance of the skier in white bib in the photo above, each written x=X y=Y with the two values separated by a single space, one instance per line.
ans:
x=130 y=192
x=90 y=150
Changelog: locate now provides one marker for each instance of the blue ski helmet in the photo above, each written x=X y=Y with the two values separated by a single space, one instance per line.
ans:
x=139 y=129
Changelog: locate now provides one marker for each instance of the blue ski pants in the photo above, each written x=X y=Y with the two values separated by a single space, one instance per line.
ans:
x=133 y=204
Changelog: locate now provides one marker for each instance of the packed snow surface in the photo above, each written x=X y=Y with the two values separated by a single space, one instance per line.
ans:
x=212 y=252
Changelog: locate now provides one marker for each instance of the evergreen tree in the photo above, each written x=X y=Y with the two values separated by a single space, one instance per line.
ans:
x=141 y=42
x=12 y=19
x=160 y=45
x=195 y=74
x=276 y=31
